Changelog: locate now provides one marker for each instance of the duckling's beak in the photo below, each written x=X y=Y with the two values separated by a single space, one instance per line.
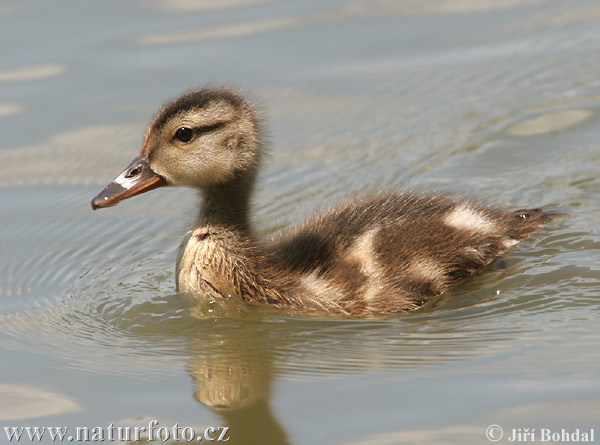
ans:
x=137 y=178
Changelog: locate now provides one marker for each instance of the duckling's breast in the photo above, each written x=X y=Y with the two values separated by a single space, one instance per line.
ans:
x=201 y=267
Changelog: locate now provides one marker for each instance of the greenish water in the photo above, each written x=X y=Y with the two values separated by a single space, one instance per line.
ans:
x=497 y=100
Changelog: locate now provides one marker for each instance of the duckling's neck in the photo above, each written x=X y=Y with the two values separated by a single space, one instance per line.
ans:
x=227 y=206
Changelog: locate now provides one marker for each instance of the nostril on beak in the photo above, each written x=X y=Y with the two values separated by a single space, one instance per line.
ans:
x=133 y=172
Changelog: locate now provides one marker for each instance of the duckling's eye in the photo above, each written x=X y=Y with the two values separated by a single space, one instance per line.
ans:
x=184 y=134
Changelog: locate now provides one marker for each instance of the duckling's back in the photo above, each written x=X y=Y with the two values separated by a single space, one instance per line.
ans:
x=387 y=254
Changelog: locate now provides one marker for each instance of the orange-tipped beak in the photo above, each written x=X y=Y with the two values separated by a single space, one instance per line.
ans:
x=137 y=178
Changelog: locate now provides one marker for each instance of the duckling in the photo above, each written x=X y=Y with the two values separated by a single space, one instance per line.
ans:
x=379 y=256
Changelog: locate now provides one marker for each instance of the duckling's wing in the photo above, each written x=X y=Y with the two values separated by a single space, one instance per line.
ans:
x=390 y=253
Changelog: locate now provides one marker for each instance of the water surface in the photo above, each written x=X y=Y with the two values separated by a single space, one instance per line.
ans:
x=497 y=100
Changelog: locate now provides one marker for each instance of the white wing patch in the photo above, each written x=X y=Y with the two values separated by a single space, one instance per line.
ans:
x=428 y=269
x=465 y=218
x=326 y=294
x=362 y=251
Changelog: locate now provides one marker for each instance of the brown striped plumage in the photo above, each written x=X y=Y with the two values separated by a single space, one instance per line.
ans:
x=378 y=256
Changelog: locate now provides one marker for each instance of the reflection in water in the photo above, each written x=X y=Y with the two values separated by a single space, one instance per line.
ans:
x=32 y=72
x=549 y=122
x=235 y=382
x=10 y=108
x=234 y=362
x=199 y=5
x=414 y=7
x=552 y=415
x=221 y=32
x=26 y=402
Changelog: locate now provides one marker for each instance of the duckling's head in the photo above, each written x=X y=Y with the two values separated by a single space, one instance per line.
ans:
x=205 y=139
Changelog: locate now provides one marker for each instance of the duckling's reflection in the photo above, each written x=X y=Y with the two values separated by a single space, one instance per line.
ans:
x=233 y=376
x=237 y=356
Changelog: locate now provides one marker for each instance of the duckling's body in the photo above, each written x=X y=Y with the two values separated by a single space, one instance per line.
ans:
x=378 y=256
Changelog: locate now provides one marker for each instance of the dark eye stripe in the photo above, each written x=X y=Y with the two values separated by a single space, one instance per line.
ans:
x=209 y=128
x=185 y=134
